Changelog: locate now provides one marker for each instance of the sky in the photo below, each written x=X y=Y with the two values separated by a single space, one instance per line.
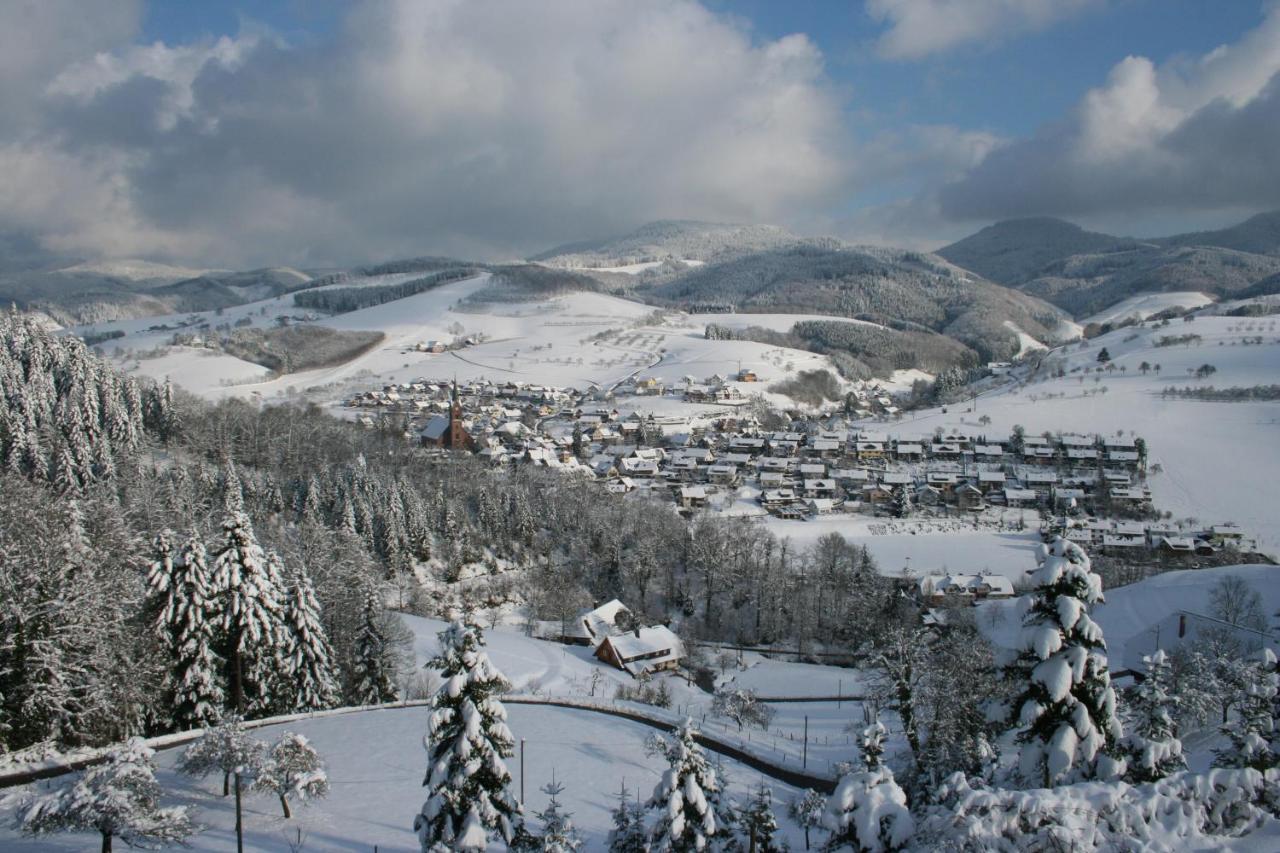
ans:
x=320 y=133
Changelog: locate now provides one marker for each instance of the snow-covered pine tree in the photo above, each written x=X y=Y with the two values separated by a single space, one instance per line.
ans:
x=902 y=503
x=558 y=832
x=628 y=834
x=179 y=599
x=309 y=660
x=373 y=675
x=247 y=600
x=1252 y=736
x=807 y=810
x=758 y=823
x=686 y=801
x=1066 y=709
x=119 y=798
x=868 y=811
x=468 y=739
x=292 y=768
x=1150 y=745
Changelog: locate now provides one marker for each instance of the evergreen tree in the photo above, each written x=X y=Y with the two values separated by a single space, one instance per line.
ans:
x=901 y=502
x=119 y=798
x=373 y=675
x=309 y=661
x=1151 y=744
x=628 y=834
x=247 y=598
x=1252 y=736
x=686 y=801
x=807 y=811
x=183 y=620
x=467 y=740
x=558 y=833
x=868 y=811
x=1066 y=709
x=758 y=823
x=292 y=767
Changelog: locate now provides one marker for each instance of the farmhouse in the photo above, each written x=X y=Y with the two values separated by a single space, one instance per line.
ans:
x=642 y=650
x=935 y=589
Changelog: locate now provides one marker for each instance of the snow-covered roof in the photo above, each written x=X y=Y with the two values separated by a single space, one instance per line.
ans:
x=645 y=648
x=435 y=428
x=602 y=621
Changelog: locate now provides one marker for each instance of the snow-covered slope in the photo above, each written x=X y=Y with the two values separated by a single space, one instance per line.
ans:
x=557 y=342
x=1138 y=616
x=376 y=763
x=1143 y=305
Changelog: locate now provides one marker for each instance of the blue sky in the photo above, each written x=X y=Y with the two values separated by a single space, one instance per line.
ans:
x=1011 y=87
x=318 y=131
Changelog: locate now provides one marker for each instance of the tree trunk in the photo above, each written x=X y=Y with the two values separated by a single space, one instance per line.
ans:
x=106 y=842
x=226 y=784
x=237 y=678
x=284 y=804
x=239 y=819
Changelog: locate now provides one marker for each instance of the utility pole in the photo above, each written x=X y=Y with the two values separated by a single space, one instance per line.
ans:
x=804 y=760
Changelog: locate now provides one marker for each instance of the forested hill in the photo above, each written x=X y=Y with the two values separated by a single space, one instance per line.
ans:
x=1085 y=272
x=670 y=239
x=121 y=502
x=888 y=286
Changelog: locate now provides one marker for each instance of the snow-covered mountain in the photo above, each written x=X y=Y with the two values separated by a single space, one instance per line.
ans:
x=893 y=287
x=678 y=240
x=1085 y=272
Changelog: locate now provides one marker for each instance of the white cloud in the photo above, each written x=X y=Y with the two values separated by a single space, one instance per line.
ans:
x=482 y=127
x=1200 y=133
x=920 y=28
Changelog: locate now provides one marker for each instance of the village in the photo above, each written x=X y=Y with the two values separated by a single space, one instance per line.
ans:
x=1090 y=488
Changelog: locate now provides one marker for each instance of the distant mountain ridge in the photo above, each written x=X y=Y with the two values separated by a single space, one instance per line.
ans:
x=904 y=290
x=1084 y=271
x=671 y=239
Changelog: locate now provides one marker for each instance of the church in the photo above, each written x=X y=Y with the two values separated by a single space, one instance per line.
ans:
x=449 y=432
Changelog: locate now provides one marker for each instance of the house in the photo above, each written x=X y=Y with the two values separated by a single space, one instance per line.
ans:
x=910 y=452
x=823 y=488
x=869 y=449
x=722 y=474
x=928 y=495
x=990 y=480
x=620 y=485
x=693 y=497
x=604 y=620
x=822 y=506
x=642 y=650
x=940 y=589
x=1015 y=498
x=970 y=498
x=1115 y=544
x=1177 y=545
x=778 y=497
x=745 y=375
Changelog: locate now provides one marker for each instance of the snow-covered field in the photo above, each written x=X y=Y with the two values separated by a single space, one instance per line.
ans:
x=376 y=763
x=1143 y=305
x=572 y=341
x=376 y=758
